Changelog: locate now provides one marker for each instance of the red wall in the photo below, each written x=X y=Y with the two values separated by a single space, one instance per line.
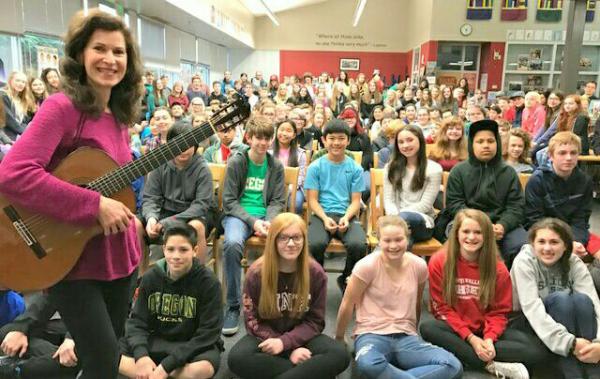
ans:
x=429 y=51
x=490 y=66
x=299 y=62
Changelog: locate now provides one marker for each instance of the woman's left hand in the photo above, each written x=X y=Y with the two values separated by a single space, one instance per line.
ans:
x=300 y=355
x=273 y=346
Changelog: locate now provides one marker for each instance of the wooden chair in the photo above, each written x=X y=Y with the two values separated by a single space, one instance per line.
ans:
x=375 y=160
x=524 y=178
x=217 y=171
x=357 y=156
x=376 y=210
x=291 y=189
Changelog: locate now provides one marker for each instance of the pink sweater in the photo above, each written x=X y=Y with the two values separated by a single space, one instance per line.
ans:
x=25 y=179
x=533 y=119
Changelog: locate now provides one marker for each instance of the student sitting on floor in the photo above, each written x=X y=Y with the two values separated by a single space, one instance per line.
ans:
x=386 y=288
x=334 y=184
x=471 y=298
x=284 y=311
x=180 y=190
x=253 y=194
x=37 y=344
x=486 y=183
x=555 y=292
x=174 y=328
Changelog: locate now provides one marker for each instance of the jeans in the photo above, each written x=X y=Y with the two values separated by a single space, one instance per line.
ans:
x=576 y=312
x=236 y=232
x=299 y=201
x=418 y=227
x=403 y=356
x=94 y=313
x=512 y=346
x=329 y=358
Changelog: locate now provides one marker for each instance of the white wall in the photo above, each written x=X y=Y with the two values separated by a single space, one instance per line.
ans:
x=46 y=17
x=249 y=61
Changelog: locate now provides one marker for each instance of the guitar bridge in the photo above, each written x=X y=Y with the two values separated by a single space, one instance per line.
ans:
x=24 y=232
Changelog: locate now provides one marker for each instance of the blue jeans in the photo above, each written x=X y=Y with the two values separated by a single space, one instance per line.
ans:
x=299 y=201
x=236 y=232
x=403 y=356
x=418 y=227
x=576 y=312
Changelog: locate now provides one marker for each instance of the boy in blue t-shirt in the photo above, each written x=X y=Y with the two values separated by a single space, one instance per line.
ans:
x=253 y=194
x=334 y=184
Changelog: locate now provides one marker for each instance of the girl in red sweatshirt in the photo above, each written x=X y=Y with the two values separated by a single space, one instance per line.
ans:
x=471 y=296
x=284 y=310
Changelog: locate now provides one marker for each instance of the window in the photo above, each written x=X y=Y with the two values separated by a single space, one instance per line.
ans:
x=458 y=57
x=152 y=40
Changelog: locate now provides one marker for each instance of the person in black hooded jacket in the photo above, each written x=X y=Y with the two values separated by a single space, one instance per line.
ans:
x=175 y=327
x=486 y=183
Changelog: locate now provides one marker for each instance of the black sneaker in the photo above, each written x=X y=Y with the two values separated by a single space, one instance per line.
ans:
x=230 y=324
x=9 y=368
x=342 y=282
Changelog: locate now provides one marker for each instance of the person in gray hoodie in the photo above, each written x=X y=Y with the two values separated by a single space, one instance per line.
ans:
x=253 y=194
x=554 y=290
x=180 y=190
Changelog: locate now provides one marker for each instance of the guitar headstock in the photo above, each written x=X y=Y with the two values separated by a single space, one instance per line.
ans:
x=231 y=114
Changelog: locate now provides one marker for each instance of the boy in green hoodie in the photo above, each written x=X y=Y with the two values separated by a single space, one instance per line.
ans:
x=486 y=183
x=175 y=327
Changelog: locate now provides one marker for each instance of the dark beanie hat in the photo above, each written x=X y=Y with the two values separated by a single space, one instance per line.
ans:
x=486 y=124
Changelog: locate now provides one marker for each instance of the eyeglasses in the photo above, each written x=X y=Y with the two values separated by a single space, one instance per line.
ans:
x=296 y=239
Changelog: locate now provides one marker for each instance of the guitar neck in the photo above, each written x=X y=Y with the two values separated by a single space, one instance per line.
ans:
x=122 y=177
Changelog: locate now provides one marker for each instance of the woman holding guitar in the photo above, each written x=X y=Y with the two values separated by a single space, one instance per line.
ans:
x=101 y=82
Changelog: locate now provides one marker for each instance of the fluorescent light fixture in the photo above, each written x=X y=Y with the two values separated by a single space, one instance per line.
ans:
x=269 y=13
x=360 y=7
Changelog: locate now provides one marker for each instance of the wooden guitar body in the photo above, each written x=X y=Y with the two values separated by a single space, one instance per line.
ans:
x=25 y=267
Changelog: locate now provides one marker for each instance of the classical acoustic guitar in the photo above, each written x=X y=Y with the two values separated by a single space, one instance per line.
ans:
x=37 y=251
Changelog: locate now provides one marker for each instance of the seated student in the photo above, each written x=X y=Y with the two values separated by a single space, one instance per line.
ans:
x=253 y=194
x=225 y=147
x=32 y=341
x=517 y=152
x=177 y=112
x=486 y=183
x=285 y=148
x=471 y=298
x=216 y=94
x=389 y=132
x=174 y=328
x=284 y=311
x=411 y=183
x=555 y=292
x=386 y=289
x=180 y=190
x=359 y=140
x=450 y=146
x=163 y=122
x=563 y=191
x=334 y=185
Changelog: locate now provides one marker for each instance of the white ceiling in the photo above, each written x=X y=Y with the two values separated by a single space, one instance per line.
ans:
x=257 y=8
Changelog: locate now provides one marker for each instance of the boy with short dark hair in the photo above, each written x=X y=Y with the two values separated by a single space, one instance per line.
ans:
x=174 y=328
x=334 y=184
x=253 y=194
x=221 y=151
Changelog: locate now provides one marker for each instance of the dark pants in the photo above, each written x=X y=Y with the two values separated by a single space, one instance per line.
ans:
x=576 y=312
x=418 y=227
x=329 y=358
x=354 y=240
x=512 y=346
x=94 y=313
x=37 y=361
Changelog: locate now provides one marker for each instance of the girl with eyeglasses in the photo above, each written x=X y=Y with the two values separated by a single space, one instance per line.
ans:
x=284 y=311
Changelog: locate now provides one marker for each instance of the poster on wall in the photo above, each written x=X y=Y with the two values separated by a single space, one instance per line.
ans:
x=514 y=10
x=549 y=10
x=591 y=10
x=479 y=9
x=47 y=57
x=40 y=52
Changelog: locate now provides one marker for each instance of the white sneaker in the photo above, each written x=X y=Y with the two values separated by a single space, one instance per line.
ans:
x=508 y=370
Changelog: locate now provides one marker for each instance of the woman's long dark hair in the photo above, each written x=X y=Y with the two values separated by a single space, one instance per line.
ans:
x=565 y=234
x=397 y=166
x=125 y=97
x=293 y=158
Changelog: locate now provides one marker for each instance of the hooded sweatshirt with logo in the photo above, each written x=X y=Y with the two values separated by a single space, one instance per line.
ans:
x=492 y=187
x=182 y=317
